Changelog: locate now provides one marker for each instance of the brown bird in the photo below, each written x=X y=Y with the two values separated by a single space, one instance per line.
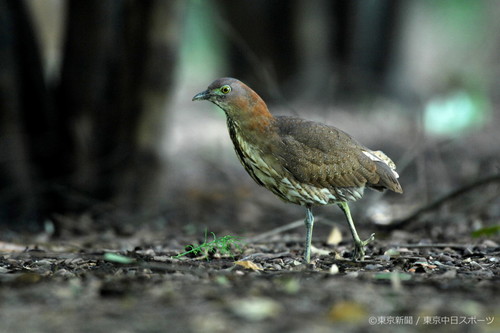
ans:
x=303 y=162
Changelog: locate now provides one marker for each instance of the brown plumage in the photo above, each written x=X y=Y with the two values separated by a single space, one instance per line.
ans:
x=302 y=162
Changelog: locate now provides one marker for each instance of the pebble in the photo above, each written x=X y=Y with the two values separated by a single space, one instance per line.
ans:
x=476 y=265
x=445 y=258
x=371 y=267
x=334 y=269
x=64 y=273
x=490 y=243
x=43 y=262
x=467 y=252
x=161 y=258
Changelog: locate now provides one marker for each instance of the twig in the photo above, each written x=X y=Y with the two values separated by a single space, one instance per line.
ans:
x=435 y=245
x=439 y=202
x=278 y=230
x=289 y=226
x=266 y=256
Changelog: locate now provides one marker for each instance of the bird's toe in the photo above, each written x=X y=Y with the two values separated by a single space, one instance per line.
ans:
x=359 y=248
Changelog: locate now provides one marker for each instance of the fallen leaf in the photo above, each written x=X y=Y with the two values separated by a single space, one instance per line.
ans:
x=118 y=258
x=392 y=252
x=335 y=237
x=249 y=265
x=320 y=252
x=347 y=311
x=256 y=308
x=425 y=265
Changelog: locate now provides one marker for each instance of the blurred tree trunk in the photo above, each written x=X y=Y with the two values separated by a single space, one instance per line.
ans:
x=95 y=138
x=373 y=27
x=321 y=47
x=83 y=101
x=151 y=42
x=23 y=104
x=261 y=48
x=116 y=80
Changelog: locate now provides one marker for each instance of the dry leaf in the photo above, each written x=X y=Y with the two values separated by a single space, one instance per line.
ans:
x=256 y=308
x=347 y=311
x=249 y=265
x=335 y=237
x=320 y=252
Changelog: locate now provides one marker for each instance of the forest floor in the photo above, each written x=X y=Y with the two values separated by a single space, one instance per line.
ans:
x=110 y=283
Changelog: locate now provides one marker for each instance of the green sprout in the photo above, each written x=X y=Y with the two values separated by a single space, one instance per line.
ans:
x=487 y=231
x=223 y=244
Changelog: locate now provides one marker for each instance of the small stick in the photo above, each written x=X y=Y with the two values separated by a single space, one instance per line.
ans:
x=278 y=230
x=438 y=245
x=289 y=226
x=439 y=202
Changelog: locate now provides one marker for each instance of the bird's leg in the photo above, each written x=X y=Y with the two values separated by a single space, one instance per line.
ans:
x=359 y=245
x=309 y=221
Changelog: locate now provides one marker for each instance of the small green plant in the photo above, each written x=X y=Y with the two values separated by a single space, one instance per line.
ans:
x=224 y=245
x=487 y=231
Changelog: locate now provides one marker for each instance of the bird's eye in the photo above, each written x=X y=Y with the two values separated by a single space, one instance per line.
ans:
x=225 y=89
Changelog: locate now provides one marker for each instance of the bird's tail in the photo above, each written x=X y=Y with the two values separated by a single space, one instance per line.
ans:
x=386 y=169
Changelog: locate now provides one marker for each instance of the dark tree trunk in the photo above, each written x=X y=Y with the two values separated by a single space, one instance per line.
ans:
x=82 y=97
x=363 y=44
x=23 y=111
x=95 y=138
x=150 y=42
x=117 y=96
x=261 y=42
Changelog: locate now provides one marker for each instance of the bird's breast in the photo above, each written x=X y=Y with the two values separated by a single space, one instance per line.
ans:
x=256 y=163
x=266 y=169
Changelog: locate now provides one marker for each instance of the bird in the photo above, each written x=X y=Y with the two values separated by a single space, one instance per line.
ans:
x=302 y=162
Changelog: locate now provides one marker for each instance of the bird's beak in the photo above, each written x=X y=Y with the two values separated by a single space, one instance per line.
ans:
x=204 y=95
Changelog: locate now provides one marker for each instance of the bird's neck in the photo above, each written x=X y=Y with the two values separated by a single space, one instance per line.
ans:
x=258 y=121
x=251 y=119
x=251 y=135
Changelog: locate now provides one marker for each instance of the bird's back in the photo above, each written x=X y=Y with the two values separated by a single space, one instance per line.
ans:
x=327 y=157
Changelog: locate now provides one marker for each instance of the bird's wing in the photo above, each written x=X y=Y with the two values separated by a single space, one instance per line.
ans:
x=325 y=156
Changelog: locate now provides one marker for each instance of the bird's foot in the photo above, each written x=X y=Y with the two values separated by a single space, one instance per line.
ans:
x=359 y=248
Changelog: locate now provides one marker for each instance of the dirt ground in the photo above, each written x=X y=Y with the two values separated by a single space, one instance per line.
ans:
x=112 y=283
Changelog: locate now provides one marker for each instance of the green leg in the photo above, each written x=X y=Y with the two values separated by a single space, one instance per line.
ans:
x=359 y=245
x=309 y=222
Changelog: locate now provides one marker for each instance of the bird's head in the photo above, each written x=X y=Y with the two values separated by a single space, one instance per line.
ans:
x=238 y=101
